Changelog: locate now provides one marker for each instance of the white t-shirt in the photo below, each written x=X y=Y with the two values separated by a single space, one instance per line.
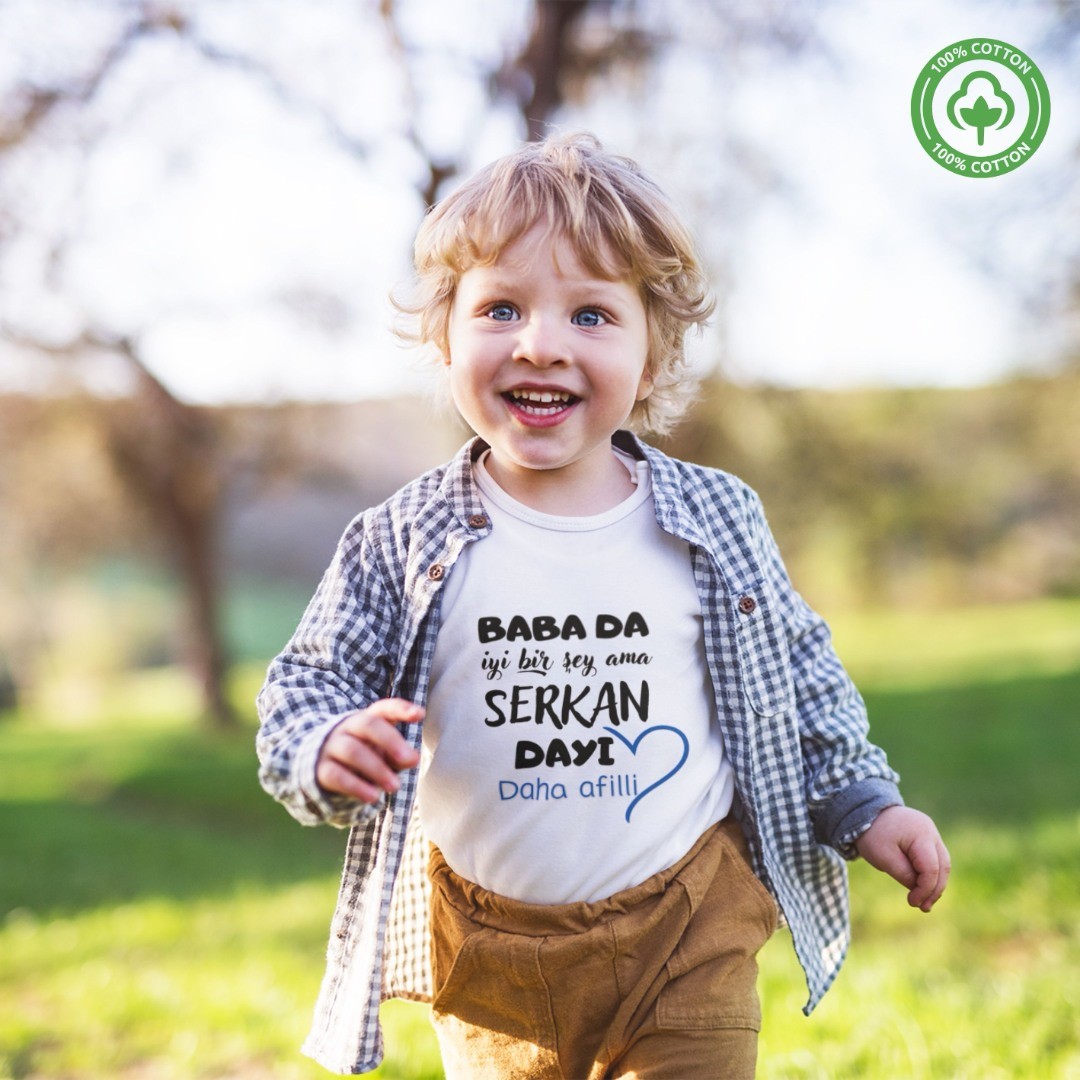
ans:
x=571 y=748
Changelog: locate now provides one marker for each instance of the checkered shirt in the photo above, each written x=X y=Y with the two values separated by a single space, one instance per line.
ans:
x=794 y=727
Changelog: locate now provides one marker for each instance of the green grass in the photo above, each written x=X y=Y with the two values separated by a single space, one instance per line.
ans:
x=933 y=647
x=161 y=918
x=988 y=985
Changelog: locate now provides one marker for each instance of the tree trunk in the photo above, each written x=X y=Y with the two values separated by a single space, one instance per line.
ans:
x=195 y=544
x=170 y=456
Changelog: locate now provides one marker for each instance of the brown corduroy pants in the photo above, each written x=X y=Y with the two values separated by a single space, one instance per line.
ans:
x=658 y=981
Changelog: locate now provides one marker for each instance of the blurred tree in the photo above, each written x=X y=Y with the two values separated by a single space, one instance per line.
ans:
x=172 y=459
x=174 y=465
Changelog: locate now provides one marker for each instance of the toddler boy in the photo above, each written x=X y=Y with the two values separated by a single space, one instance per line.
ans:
x=638 y=749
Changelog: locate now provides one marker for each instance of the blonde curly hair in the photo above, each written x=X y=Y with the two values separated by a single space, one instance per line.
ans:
x=621 y=226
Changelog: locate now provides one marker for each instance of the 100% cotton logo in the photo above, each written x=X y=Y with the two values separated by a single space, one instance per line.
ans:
x=980 y=107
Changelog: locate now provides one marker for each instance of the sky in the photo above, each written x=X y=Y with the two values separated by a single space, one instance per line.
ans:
x=253 y=258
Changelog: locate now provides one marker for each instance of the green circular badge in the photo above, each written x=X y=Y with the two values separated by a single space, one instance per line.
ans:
x=980 y=107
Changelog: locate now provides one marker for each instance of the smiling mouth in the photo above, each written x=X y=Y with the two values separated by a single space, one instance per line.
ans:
x=541 y=402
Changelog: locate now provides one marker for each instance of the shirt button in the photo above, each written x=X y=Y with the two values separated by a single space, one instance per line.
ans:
x=478 y=521
x=747 y=605
x=436 y=571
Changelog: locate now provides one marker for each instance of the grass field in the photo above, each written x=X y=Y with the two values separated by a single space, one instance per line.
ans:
x=161 y=918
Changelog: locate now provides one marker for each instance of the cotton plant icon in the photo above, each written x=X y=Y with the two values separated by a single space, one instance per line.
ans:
x=980 y=114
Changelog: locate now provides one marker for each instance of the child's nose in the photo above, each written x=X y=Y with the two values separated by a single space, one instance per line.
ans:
x=541 y=342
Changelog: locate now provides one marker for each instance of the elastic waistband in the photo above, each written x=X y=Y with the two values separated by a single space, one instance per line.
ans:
x=545 y=920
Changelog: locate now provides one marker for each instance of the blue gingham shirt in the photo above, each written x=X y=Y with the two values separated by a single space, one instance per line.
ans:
x=794 y=726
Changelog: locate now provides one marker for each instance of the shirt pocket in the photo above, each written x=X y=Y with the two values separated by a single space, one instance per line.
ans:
x=764 y=658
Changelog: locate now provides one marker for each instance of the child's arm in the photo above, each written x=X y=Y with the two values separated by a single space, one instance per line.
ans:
x=337 y=665
x=851 y=791
x=847 y=780
x=906 y=845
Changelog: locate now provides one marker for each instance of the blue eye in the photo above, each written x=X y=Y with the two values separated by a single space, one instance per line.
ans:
x=501 y=312
x=589 y=317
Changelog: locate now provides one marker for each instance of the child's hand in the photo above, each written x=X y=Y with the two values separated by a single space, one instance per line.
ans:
x=362 y=756
x=906 y=845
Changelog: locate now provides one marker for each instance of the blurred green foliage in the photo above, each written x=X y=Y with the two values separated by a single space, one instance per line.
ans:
x=908 y=498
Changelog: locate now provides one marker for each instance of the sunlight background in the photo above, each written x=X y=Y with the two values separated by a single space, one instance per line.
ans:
x=248 y=229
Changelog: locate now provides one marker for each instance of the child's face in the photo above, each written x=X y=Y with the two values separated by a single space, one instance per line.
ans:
x=546 y=362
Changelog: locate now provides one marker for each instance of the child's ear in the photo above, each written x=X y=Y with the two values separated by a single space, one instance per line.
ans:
x=645 y=386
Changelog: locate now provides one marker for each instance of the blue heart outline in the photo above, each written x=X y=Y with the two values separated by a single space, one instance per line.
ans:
x=632 y=747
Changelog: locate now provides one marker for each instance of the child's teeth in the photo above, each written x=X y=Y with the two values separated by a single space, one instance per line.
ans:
x=541 y=397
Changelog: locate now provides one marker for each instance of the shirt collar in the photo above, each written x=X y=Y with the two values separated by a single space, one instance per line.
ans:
x=458 y=487
x=674 y=508
x=463 y=497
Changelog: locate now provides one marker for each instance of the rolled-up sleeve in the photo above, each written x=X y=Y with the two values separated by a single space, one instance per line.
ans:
x=848 y=780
